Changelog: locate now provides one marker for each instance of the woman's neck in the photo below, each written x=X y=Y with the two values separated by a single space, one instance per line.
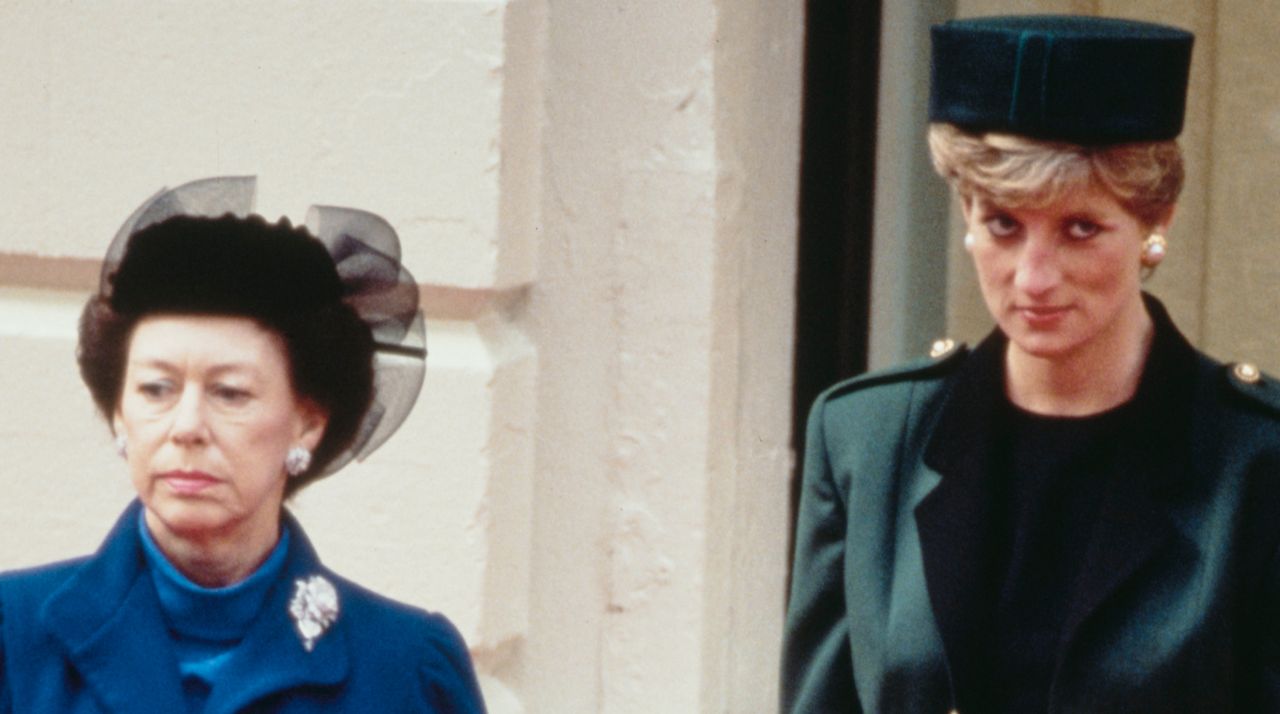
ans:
x=214 y=560
x=1100 y=375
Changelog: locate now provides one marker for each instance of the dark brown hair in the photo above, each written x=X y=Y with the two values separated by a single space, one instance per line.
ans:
x=329 y=349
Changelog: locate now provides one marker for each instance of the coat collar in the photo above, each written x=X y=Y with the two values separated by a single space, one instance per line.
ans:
x=953 y=518
x=1152 y=473
x=272 y=658
x=108 y=619
x=1134 y=522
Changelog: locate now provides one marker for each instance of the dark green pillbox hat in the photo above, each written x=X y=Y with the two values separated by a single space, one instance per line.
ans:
x=1083 y=80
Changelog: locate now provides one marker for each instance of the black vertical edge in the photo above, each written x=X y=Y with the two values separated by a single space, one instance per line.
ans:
x=837 y=174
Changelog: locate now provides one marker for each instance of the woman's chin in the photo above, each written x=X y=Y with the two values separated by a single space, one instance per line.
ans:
x=188 y=517
x=1041 y=348
x=1057 y=342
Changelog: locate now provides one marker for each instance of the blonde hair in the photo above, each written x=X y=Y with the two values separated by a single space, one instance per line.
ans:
x=1017 y=171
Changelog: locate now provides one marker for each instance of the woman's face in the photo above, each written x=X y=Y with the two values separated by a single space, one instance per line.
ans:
x=209 y=413
x=1061 y=279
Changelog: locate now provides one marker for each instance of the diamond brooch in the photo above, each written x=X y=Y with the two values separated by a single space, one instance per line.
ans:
x=314 y=608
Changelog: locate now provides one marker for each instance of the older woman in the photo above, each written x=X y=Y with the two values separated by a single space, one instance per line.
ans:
x=237 y=361
x=1079 y=514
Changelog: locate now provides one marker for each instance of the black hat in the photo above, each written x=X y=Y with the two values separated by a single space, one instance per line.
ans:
x=226 y=265
x=1083 y=80
x=198 y=249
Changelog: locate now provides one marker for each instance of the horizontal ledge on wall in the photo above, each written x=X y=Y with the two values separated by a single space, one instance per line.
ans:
x=456 y=303
x=49 y=272
x=45 y=272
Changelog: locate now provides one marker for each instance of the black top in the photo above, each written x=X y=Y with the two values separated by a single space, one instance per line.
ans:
x=1051 y=472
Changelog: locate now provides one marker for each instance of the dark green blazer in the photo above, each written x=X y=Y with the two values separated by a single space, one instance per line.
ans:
x=1178 y=606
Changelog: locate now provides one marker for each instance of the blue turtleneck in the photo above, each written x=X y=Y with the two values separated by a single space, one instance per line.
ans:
x=206 y=624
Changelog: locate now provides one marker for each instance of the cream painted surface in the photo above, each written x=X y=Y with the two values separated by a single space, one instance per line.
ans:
x=599 y=201
x=1221 y=276
x=34 y=313
x=63 y=484
x=60 y=467
x=629 y=218
x=757 y=70
x=109 y=101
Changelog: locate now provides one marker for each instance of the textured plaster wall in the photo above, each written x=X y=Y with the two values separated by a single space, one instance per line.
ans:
x=757 y=69
x=1220 y=278
x=598 y=199
x=669 y=219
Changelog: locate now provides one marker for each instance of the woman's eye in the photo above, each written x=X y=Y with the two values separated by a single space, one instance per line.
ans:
x=1001 y=226
x=229 y=395
x=1083 y=230
x=155 y=390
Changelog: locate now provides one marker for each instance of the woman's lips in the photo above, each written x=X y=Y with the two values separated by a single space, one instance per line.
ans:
x=188 y=483
x=1042 y=316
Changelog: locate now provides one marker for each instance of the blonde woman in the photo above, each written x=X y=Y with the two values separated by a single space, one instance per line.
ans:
x=1078 y=514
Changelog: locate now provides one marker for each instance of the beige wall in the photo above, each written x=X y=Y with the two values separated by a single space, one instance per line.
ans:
x=669 y=222
x=1222 y=277
x=598 y=199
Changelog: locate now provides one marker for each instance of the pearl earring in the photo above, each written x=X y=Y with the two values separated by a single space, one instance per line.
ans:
x=1153 y=250
x=122 y=446
x=297 y=461
x=969 y=240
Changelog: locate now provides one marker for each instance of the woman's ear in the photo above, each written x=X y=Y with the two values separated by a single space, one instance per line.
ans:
x=312 y=420
x=966 y=207
x=1165 y=221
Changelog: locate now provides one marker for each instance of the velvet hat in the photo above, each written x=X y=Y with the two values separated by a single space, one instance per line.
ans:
x=1083 y=80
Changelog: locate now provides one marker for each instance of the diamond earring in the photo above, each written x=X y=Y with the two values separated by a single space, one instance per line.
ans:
x=297 y=461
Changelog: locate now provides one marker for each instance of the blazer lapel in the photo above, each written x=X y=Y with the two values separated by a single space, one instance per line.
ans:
x=1153 y=465
x=1131 y=530
x=108 y=618
x=954 y=520
x=272 y=657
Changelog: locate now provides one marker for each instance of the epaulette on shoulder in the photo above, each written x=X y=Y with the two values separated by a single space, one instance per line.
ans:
x=944 y=356
x=1259 y=388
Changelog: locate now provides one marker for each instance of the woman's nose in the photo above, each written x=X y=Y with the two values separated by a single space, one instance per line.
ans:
x=1037 y=270
x=189 y=425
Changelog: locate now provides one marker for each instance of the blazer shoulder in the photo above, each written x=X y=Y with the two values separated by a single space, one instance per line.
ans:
x=24 y=595
x=36 y=583
x=944 y=359
x=386 y=629
x=387 y=621
x=1253 y=387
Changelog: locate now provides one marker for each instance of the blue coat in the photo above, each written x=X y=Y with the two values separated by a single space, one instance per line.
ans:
x=1178 y=605
x=88 y=636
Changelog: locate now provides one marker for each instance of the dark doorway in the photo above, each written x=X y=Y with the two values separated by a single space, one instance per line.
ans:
x=842 y=50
